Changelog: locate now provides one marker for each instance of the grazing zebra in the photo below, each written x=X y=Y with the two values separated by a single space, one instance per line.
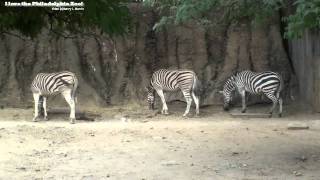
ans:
x=268 y=83
x=46 y=84
x=172 y=80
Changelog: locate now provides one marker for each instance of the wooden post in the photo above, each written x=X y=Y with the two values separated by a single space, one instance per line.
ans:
x=316 y=83
x=315 y=55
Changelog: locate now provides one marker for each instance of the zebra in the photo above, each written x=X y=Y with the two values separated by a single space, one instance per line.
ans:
x=172 y=80
x=47 y=84
x=267 y=83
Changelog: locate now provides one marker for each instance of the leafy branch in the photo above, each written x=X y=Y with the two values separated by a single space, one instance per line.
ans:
x=306 y=16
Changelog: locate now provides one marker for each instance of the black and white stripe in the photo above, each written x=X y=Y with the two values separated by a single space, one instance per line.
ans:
x=47 y=84
x=267 y=83
x=172 y=80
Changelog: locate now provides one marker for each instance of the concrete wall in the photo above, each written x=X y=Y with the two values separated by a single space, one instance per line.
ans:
x=305 y=55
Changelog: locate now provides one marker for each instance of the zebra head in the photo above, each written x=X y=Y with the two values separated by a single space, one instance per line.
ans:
x=150 y=96
x=228 y=88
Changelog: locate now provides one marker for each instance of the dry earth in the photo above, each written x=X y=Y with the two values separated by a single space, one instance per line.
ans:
x=128 y=143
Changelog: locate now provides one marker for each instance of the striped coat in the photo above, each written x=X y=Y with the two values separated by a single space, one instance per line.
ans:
x=267 y=83
x=47 y=84
x=172 y=80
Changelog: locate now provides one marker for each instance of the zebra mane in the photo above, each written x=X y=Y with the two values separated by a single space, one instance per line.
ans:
x=229 y=82
x=232 y=77
x=235 y=74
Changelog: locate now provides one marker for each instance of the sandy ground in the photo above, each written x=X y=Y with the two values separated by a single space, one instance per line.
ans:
x=128 y=143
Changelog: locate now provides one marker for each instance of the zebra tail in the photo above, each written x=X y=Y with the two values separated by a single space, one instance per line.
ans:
x=281 y=86
x=74 y=88
x=197 y=87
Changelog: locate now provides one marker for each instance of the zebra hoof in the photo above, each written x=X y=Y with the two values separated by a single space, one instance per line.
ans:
x=185 y=115
x=270 y=115
x=35 y=119
x=45 y=119
x=72 y=121
x=243 y=111
x=165 y=112
x=280 y=115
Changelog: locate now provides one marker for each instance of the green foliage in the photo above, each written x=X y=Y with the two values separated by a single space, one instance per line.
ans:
x=307 y=13
x=198 y=10
x=111 y=16
x=307 y=16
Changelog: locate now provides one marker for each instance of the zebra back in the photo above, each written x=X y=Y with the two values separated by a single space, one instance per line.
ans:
x=52 y=83
x=171 y=80
x=255 y=82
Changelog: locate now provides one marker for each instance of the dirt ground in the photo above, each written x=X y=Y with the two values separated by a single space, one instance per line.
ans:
x=133 y=143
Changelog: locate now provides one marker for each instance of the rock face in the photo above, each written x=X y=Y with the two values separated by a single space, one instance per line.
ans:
x=116 y=73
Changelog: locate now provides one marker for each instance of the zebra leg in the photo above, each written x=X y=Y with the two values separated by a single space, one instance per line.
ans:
x=274 y=100
x=280 y=102
x=36 y=98
x=164 y=104
x=73 y=111
x=196 y=101
x=45 y=108
x=280 y=107
x=243 y=97
x=70 y=101
x=189 y=101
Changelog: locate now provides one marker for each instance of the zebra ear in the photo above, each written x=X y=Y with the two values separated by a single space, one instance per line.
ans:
x=220 y=92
